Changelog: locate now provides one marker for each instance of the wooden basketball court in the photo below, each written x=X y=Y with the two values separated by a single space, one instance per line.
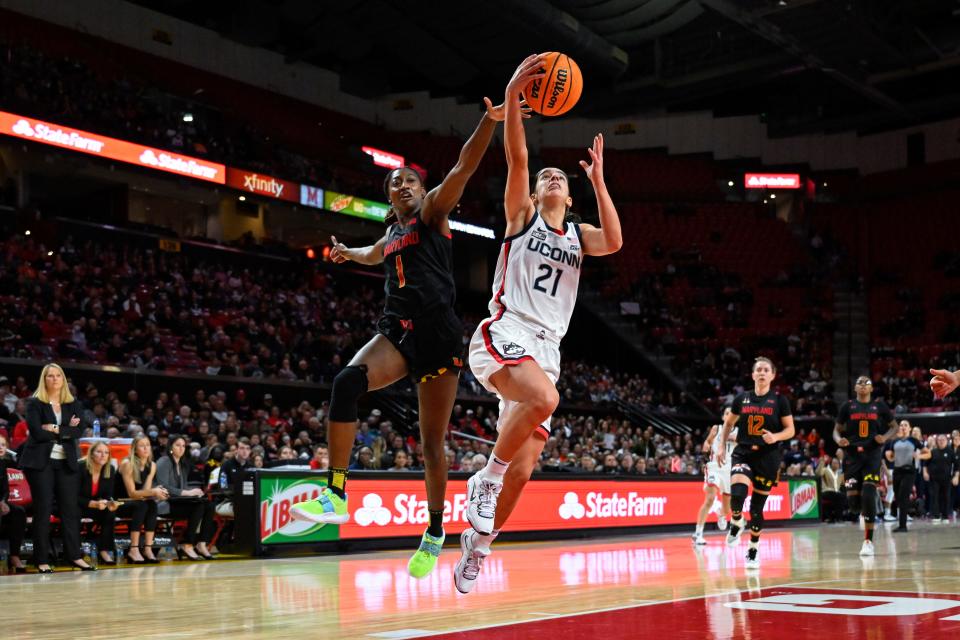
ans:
x=811 y=581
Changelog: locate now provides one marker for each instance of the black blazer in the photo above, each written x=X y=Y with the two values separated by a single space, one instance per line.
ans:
x=4 y=481
x=104 y=489
x=36 y=450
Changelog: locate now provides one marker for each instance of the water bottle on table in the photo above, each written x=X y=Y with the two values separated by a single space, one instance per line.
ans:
x=96 y=428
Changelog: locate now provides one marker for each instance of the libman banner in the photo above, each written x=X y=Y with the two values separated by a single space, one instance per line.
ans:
x=277 y=495
x=804 y=499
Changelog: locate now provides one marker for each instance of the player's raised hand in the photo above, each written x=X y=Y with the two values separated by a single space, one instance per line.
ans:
x=530 y=69
x=843 y=442
x=497 y=113
x=338 y=251
x=943 y=382
x=594 y=169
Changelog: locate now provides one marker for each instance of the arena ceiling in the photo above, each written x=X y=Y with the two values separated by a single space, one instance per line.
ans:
x=803 y=65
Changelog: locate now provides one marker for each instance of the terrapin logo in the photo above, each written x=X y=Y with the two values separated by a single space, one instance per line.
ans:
x=513 y=349
x=275 y=518
x=803 y=498
x=559 y=87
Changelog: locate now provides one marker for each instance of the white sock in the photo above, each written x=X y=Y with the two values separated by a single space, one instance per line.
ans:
x=699 y=530
x=484 y=542
x=495 y=469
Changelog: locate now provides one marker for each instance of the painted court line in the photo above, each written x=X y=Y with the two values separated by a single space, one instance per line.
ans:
x=578 y=613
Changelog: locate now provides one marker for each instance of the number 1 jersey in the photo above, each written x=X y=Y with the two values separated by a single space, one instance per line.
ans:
x=757 y=414
x=538 y=273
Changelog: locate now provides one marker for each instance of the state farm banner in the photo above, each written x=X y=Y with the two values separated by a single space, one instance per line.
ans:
x=396 y=507
x=771 y=180
x=262 y=185
x=110 y=148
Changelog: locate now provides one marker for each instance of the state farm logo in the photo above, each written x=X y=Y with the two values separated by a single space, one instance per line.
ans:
x=57 y=136
x=773 y=504
x=803 y=498
x=23 y=128
x=177 y=164
x=408 y=508
x=598 y=505
x=256 y=184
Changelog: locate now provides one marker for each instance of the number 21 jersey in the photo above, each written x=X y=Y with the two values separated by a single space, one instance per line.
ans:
x=757 y=414
x=537 y=276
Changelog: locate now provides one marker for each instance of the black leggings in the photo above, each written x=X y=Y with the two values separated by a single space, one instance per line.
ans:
x=199 y=515
x=15 y=524
x=55 y=480
x=940 y=496
x=105 y=521
x=903 y=485
x=142 y=513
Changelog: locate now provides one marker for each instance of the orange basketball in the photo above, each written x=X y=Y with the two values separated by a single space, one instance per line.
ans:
x=559 y=90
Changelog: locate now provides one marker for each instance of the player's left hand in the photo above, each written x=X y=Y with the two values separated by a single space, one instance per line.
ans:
x=769 y=438
x=497 y=113
x=943 y=382
x=594 y=169
x=956 y=480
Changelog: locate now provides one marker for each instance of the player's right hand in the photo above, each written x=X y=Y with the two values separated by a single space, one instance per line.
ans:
x=721 y=457
x=843 y=442
x=530 y=69
x=338 y=252
x=943 y=382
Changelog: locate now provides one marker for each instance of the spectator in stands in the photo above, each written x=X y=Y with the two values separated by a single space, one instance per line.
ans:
x=321 y=458
x=137 y=473
x=13 y=518
x=185 y=502
x=97 y=480
x=401 y=461
x=49 y=460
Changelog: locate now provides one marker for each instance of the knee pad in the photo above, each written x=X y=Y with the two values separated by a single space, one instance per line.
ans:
x=869 y=502
x=348 y=386
x=738 y=495
x=756 y=511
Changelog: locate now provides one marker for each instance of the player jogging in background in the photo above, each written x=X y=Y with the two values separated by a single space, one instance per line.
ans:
x=763 y=420
x=516 y=352
x=716 y=480
x=859 y=430
x=418 y=335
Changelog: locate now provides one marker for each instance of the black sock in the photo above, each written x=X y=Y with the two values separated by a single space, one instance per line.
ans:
x=337 y=481
x=436 y=523
x=868 y=534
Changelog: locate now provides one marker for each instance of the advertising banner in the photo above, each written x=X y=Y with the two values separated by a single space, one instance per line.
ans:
x=771 y=181
x=354 y=206
x=387 y=508
x=383 y=158
x=110 y=148
x=262 y=185
x=311 y=196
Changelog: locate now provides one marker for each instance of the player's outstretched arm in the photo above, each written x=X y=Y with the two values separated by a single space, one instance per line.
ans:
x=608 y=238
x=518 y=206
x=943 y=382
x=892 y=428
x=363 y=255
x=444 y=197
x=714 y=430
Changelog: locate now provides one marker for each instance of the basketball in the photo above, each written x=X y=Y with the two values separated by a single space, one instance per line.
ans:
x=560 y=90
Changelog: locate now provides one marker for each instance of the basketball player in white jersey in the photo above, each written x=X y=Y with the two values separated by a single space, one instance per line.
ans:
x=515 y=353
x=716 y=480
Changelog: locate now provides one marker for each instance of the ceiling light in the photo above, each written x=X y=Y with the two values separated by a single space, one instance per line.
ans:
x=242 y=198
x=729 y=183
x=188 y=117
x=773 y=196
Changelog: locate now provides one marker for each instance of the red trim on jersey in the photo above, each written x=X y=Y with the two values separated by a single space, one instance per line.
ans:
x=541 y=431
x=485 y=327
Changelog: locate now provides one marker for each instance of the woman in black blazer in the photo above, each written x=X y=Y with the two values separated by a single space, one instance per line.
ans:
x=49 y=460
x=96 y=496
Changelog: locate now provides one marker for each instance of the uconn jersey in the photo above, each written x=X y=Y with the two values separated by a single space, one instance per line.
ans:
x=534 y=293
x=538 y=273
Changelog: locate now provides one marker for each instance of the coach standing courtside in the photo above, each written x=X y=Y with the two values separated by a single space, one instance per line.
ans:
x=49 y=460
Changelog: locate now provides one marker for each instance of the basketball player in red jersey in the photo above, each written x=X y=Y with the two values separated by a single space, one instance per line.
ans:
x=515 y=353
x=418 y=335
x=763 y=419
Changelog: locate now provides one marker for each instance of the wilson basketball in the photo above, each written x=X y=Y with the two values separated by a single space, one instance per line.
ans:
x=559 y=90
